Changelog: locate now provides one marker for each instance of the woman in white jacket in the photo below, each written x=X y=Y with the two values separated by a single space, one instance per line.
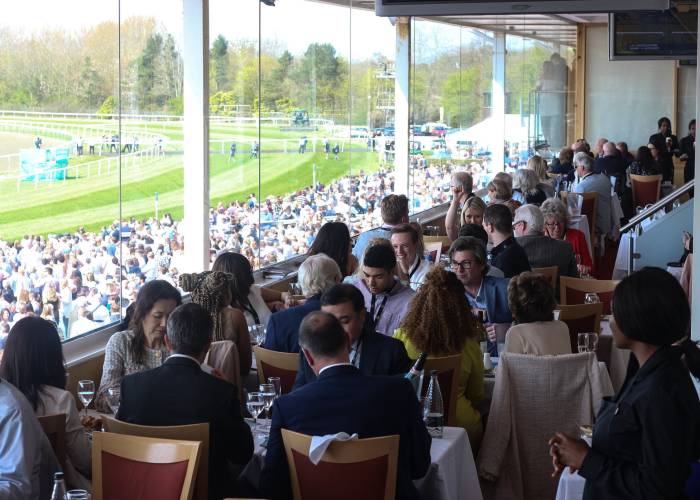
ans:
x=33 y=362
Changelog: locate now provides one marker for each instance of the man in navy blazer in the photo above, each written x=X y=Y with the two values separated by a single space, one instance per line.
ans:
x=179 y=393
x=316 y=275
x=370 y=352
x=343 y=399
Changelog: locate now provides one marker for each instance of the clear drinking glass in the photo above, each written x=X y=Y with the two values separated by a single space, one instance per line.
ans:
x=591 y=341
x=582 y=342
x=114 y=396
x=277 y=382
x=592 y=298
x=256 y=405
x=77 y=495
x=86 y=392
x=257 y=334
x=268 y=393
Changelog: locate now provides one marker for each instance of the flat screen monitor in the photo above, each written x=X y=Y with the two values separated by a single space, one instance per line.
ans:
x=672 y=34
x=395 y=8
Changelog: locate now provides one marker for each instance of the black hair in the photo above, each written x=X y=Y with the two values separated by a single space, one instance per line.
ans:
x=342 y=293
x=190 y=329
x=662 y=120
x=333 y=239
x=692 y=122
x=322 y=334
x=476 y=231
x=651 y=307
x=500 y=216
x=33 y=357
x=149 y=294
x=380 y=256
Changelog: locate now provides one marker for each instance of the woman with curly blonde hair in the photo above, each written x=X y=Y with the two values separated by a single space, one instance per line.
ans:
x=212 y=291
x=440 y=323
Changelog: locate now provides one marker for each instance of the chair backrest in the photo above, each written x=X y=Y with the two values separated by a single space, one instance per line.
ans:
x=364 y=469
x=550 y=272
x=574 y=290
x=191 y=432
x=589 y=207
x=223 y=356
x=534 y=395
x=277 y=364
x=646 y=189
x=580 y=318
x=55 y=429
x=142 y=468
x=448 y=377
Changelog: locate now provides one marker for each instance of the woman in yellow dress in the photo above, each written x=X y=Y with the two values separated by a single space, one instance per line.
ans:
x=440 y=323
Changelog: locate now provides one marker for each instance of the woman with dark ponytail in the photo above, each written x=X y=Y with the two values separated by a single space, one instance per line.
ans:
x=647 y=435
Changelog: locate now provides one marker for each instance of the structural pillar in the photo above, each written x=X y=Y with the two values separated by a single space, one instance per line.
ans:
x=196 y=133
x=695 y=313
x=498 y=103
x=402 y=116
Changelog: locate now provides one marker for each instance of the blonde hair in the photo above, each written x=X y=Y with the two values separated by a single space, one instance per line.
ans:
x=539 y=166
x=474 y=202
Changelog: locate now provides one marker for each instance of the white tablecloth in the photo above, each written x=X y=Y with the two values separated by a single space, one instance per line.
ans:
x=452 y=475
x=580 y=222
x=619 y=358
x=570 y=486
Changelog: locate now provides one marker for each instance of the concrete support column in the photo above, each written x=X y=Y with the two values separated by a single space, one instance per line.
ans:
x=196 y=133
x=498 y=102
x=695 y=318
x=402 y=103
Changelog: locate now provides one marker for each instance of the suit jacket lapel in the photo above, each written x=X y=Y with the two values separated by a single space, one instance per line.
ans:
x=368 y=354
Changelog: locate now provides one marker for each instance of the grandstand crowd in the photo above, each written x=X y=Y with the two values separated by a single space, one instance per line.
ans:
x=86 y=279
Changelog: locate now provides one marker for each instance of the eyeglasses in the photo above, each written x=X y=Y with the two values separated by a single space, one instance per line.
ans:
x=517 y=222
x=554 y=224
x=464 y=265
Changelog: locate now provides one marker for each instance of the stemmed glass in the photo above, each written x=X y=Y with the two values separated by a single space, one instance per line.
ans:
x=582 y=343
x=268 y=393
x=257 y=334
x=114 y=398
x=255 y=405
x=86 y=392
x=591 y=298
x=277 y=382
x=587 y=342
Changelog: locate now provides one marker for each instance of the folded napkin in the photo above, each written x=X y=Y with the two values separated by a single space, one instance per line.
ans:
x=319 y=444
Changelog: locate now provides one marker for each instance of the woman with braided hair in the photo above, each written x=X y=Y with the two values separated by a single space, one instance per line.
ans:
x=212 y=291
x=440 y=323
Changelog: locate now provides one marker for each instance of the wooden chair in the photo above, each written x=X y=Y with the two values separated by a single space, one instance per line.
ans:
x=551 y=273
x=55 y=429
x=574 y=290
x=580 y=318
x=192 y=432
x=448 y=377
x=646 y=189
x=141 y=468
x=589 y=208
x=277 y=364
x=365 y=468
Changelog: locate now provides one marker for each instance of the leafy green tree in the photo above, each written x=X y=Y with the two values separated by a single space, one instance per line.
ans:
x=220 y=63
x=90 y=89
x=108 y=107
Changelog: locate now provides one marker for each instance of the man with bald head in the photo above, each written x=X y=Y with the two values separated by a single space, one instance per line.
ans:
x=610 y=163
x=461 y=186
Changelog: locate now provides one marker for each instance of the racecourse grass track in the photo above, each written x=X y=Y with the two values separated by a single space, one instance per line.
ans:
x=92 y=202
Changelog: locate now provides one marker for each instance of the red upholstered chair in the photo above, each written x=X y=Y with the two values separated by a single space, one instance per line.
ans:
x=277 y=364
x=589 y=208
x=580 y=318
x=646 y=189
x=363 y=469
x=140 y=468
x=448 y=377
x=574 y=290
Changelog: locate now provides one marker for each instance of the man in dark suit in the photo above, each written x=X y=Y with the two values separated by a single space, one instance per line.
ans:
x=611 y=164
x=541 y=250
x=179 y=392
x=316 y=275
x=370 y=352
x=687 y=150
x=344 y=399
x=506 y=254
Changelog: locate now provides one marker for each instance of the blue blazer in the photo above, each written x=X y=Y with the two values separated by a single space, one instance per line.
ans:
x=379 y=355
x=343 y=399
x=495 y=291
x=283 y=327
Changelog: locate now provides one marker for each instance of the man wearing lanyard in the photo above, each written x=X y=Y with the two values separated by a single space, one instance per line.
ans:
x=468 y=262
x=394 y=212
x=386 y=299
x=370 y=352
x=590 y=182
x=412 y=267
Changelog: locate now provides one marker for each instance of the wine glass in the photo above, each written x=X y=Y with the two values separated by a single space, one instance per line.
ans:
x=277 y=382
x=591 y=298
x=582 y=342
x=113 y=399
x=255 y=405
x=591 y=341
x=257 y=334
x=268 y=393
x=86 y=392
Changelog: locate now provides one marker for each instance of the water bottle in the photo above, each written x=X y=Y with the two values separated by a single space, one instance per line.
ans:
x=59 y=487
x=433 y=411
x=415 y=374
